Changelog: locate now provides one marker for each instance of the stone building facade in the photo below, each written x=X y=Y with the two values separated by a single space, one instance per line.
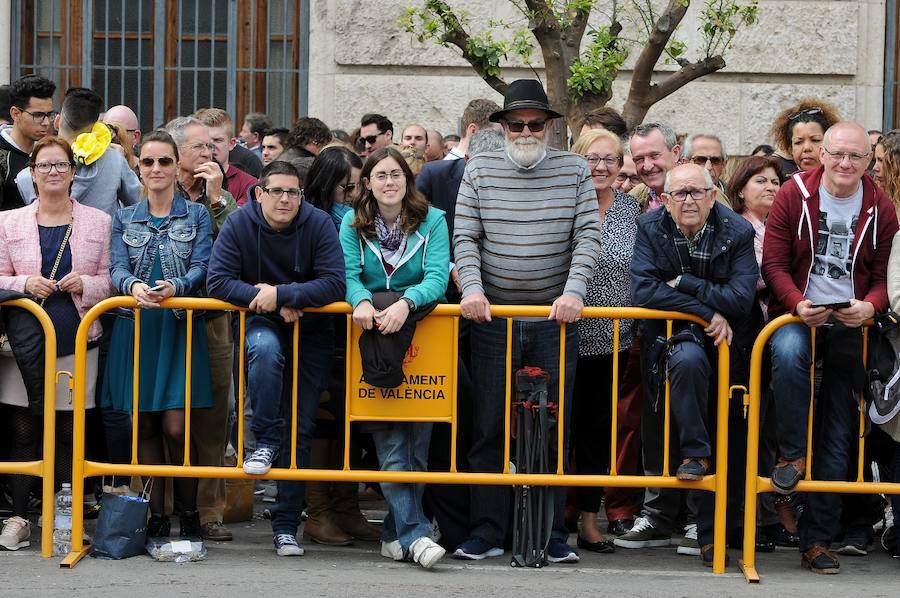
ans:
x=362 y=61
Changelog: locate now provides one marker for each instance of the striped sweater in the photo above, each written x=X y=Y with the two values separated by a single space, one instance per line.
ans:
x=526 y=235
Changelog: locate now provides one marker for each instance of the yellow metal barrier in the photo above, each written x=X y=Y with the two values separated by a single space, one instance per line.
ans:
x=44 y=467
x=757 y=484
x=361 y=407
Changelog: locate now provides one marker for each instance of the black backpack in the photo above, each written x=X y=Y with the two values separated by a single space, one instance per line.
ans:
x=882 y=390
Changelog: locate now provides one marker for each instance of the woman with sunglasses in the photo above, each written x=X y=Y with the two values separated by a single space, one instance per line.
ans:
x=55 y=250
x=798 y=132
x=160 y=249
x=394 y=241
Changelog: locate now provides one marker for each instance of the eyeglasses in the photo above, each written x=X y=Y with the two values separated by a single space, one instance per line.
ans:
x=517 y=126
x=371 y=139
x=682 y=194
x=39 y=117
x=46 y=167
x=347 y=188
x=702 y=160
x=164 y=161
x=854 y=157
x=808 y=112
x=593 y=160
x=394 y=175
x=277 y=192
x=196 y=147
x=635 y=179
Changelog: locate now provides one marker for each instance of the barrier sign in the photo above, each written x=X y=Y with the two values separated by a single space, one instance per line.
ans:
x=429 y=372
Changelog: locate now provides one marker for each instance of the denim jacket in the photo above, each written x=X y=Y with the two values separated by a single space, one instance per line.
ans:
x=184 y=242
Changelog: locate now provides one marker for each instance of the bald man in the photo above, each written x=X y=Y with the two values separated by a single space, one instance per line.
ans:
x=125 y=116
x=825 y=259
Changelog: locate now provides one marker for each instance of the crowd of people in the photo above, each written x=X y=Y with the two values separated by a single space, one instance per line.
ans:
x=277 y=220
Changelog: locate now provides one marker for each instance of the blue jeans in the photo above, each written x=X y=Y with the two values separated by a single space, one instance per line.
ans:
x=269 y=381
x=403 y=447
x=791 y=360
x=535 y=343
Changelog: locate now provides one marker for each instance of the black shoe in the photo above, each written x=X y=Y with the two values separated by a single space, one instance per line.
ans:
x=190 y=525
x=786 y=539
x=819 y=559
x=856 y=542
x=603 y=547
x=765 y=538
x=159 y=526
x=707 y=555
x=693 y=469
x=787 y=474
x=617 y=527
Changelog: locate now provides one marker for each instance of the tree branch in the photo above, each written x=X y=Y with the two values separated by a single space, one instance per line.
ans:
x=685 y=75
x=456 y=35
x=642 y=76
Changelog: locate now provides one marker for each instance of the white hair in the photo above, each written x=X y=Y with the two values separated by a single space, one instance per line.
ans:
x=706 y=177
x=687 y=149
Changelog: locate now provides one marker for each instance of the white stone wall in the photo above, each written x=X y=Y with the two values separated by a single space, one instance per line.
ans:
x=361 y=61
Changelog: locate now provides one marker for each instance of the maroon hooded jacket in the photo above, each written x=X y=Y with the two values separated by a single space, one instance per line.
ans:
x=792 y=231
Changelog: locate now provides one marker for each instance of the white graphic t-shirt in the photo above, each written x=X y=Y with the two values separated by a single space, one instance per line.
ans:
x=830 y=279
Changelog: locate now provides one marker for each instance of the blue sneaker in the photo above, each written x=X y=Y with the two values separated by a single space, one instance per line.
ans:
x=476 y=549
x=560 y=552
x=260 y=461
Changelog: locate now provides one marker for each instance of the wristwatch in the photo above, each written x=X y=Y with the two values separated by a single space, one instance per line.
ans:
x=409 y=303
x=219 y=203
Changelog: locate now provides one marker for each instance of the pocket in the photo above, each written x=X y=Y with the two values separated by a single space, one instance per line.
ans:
x=182 y=238
x=136 y=238
x=88 y=254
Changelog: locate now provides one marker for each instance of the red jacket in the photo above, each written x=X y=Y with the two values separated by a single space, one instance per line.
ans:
x=792 y=231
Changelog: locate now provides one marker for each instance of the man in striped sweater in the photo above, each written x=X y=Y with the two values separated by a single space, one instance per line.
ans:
x=526 y=233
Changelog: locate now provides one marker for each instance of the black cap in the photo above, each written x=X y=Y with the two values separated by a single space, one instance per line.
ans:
x=521 y=94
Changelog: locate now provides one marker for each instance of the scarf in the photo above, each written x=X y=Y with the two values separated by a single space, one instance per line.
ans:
x=694 y=254
x=337 y=213
x=393 y=241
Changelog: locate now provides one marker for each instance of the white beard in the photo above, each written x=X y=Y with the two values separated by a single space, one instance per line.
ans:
x=525 y=151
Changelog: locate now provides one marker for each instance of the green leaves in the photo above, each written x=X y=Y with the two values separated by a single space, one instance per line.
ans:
x=594 y=70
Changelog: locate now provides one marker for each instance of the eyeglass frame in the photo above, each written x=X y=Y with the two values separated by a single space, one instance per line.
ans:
x=688 y=192
x=594 y=161
x=853 y=157
x=702 y=160
x=144 y=161
x=371 y=139
x=382 y=177
x=535 y=126
x=808 y=111
x=50 y=116
x=277 y=192
x=51 y=165
x=198 y=145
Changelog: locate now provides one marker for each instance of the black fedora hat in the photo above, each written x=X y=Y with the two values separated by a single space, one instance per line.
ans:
x=524 y=93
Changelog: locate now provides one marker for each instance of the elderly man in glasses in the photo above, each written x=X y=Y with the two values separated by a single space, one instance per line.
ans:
x=695 y=256
x=526 y=232
x=825 y=258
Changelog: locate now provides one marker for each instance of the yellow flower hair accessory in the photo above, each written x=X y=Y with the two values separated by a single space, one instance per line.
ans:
x=88 y=147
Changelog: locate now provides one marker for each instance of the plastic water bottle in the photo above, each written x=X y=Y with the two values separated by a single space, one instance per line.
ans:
x=62 y=526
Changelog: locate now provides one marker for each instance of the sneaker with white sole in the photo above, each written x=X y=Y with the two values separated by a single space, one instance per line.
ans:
x=643 y=535
x=476 y=549
x=260 y=461
x=16 y=534
x=425 y=552
x=286 y=545
x=392 y=550
x=689 y=544
x=558 y=551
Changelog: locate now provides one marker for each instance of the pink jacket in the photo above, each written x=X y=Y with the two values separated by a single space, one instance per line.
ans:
x=20 y=253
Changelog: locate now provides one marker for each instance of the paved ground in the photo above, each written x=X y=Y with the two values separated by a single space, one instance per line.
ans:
x=249 y=564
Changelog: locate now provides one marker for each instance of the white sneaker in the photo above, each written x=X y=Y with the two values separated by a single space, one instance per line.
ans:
x=260 y=461
x=425 y=552
x=286 y=545
x=392 y=550
x=689 y=544
x=16 y=533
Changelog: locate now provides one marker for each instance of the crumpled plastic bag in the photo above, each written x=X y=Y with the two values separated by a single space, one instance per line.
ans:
x=176 y=550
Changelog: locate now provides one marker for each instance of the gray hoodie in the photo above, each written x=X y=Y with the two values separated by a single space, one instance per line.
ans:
x=107 y=184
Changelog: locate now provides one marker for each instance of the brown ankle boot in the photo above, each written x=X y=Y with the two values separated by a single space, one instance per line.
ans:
x=346 y=514
x=319 y=503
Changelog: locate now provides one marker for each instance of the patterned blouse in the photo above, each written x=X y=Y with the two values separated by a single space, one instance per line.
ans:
x=611 y=284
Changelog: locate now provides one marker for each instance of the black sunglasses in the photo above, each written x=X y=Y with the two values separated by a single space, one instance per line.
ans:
x=371 y=138
x=163 y=161
x=808 y=111
x=517 y=126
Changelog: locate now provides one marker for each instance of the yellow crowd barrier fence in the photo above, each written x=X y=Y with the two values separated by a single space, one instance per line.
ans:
x=757 y=484
x=45 y=466
x=436 y=338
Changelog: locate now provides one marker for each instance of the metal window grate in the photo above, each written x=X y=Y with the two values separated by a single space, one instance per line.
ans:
x=165 y=58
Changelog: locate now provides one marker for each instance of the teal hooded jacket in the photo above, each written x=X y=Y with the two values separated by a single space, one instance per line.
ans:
x=422 y=273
